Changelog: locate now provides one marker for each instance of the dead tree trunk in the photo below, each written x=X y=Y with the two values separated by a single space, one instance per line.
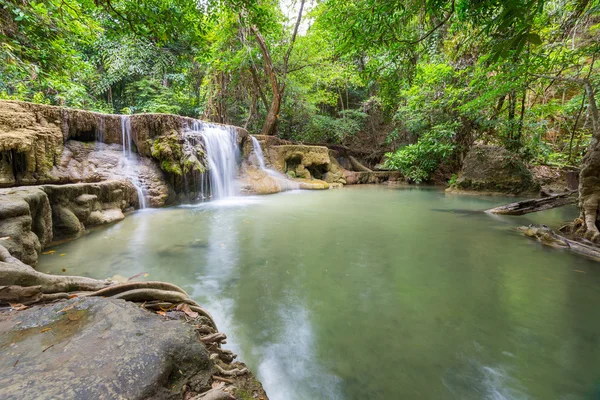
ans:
x=535 y=205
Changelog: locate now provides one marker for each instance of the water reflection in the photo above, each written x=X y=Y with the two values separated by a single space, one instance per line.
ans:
x=370 y=293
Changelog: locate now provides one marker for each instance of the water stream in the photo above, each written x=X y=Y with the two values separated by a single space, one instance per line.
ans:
x=372 y=292
x=130 y=160
x=259 y=153
x=282 y=180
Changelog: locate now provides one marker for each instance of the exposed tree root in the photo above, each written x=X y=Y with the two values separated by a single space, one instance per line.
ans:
x=19 y=274
x=218 y=337
x=214 y=394
x=231 y=372
x=113 y=290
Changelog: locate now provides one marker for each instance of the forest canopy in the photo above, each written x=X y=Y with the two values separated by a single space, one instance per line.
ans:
x=420 y=81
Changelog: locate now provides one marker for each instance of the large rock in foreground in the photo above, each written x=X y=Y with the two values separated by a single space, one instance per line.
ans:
x=494 y=169
x=98 y=349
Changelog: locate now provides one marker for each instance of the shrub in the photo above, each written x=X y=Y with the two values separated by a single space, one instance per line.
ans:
x=417 y=161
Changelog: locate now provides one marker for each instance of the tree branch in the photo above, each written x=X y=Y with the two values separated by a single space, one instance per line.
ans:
x=289 y=50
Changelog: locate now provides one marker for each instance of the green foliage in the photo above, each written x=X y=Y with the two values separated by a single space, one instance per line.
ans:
x=417 y=161
x=326 y=129
x=434 y=76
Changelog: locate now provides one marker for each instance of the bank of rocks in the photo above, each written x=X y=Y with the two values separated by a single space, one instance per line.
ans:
x=299 y=166
x=33 y=217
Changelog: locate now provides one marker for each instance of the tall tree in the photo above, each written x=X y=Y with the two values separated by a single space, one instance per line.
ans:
x=277 y=79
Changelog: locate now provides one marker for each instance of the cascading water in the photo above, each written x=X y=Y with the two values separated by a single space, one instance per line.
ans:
x=100 y=138
x=259 y=153
x=222 y=154
x=129 y=160
x=283 y=181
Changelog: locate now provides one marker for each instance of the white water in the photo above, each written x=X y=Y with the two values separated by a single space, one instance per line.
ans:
x=130 y=160
x=259 y=153
x=222 y=154
x=283 y=181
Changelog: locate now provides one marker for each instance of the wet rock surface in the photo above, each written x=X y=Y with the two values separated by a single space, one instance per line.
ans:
x=94 y=348
x=95 y=162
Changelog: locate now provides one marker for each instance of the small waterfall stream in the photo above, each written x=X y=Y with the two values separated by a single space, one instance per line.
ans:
x=259 y=153
x=282 y=180
x=130 y=160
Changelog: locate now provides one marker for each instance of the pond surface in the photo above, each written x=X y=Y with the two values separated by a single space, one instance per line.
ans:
x=372 y=292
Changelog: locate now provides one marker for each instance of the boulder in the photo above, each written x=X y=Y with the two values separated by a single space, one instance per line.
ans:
x=306 y=162
x=360 y=178
x=25 y=222
x=95 y=348
x=494 y=169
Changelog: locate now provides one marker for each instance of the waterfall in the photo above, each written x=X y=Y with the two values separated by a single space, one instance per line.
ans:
x=129 y=160
x=282 y=180
x=100 y=138
x=259 y=153
x=222 y=154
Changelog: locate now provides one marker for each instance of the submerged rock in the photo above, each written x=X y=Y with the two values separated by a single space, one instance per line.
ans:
x=98 y=349
x=494 y=169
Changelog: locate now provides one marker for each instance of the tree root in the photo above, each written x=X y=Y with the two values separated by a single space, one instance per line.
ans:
x=113 y=290
x=218 y=337
x=232 y=372
x=19 y=274
x=214 y=394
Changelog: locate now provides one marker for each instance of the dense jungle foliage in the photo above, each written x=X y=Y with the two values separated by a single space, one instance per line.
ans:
x=419 y=80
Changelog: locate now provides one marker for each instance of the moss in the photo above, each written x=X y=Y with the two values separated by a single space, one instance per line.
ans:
x=193 y=165
x=166 y=147
x=171 y=167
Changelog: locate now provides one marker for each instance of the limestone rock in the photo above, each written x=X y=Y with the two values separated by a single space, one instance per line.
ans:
x=41 y=144
x=494 y=169
x=95 y=162
x=66 y=224
x=25 y=222
x=256 y=181
x=32 y=217
x=359 y=178
x=98 y=349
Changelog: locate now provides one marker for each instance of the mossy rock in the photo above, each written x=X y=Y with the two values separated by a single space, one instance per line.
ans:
x=495 y=169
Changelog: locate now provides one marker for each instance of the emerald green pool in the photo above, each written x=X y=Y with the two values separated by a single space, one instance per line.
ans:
x=372 y=292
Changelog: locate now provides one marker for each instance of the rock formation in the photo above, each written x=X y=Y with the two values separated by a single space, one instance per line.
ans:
x=494 y=169
x=33 y=217
x=305 y=166
x=42 y=144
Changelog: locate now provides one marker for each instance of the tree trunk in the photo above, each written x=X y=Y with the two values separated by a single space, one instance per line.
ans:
x=270 y=125
x=589 y=177
x=534 y=205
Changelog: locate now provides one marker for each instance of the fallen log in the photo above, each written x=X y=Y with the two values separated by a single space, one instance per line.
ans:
x=548 y=237
x=534 y=205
